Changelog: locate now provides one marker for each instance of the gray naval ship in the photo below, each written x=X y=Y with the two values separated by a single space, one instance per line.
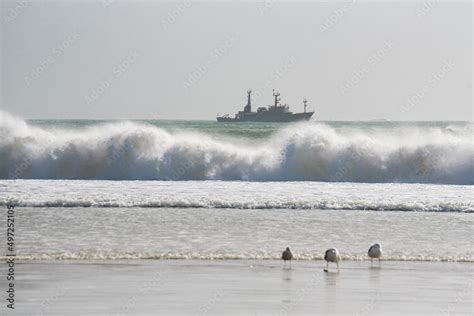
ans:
x=272 y=113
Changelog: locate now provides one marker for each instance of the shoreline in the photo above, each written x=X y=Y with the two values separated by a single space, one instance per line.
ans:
x=238 y=287
x=185 y=257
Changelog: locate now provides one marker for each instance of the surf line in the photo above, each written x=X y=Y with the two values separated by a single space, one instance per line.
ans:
x=10 y=257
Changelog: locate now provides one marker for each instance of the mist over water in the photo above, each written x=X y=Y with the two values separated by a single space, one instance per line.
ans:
x=383 y=152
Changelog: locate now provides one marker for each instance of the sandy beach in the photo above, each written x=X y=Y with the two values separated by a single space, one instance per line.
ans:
x=242 y=287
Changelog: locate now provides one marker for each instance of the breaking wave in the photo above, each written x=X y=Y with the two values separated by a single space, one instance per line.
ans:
x=299 y=152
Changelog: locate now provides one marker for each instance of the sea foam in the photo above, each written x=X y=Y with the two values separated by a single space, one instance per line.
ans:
x=149 y=255
x=300 y=152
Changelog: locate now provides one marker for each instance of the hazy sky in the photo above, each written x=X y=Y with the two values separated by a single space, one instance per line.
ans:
x=191 y=60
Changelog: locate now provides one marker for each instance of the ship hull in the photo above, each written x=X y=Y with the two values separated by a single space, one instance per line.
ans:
x=268 y=117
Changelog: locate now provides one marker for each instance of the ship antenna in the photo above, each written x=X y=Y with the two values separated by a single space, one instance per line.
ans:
x=276 y=95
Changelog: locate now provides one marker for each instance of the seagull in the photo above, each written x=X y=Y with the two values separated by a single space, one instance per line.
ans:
x=287 y=256
x=332 y=255
x=375 y=251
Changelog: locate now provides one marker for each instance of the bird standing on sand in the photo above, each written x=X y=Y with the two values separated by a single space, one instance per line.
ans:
x=375 y=252
x=287 y=256
x=332 y=255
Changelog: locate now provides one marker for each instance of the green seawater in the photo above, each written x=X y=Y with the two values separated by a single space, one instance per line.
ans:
x=255 y=130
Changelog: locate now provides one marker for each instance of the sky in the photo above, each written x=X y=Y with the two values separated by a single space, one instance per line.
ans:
x=352 y=60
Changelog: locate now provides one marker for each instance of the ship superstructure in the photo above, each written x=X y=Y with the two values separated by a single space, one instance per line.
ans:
x=272 y=113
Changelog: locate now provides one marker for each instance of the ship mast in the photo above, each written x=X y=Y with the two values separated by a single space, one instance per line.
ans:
x=304 y=104
x=277 y=99
x=248 y=107
x=249 y=101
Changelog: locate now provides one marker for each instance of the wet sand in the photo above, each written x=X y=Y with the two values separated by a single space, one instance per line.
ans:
x=241 y=287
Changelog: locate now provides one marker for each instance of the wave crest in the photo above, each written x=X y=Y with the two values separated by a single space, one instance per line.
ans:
x=299 y=152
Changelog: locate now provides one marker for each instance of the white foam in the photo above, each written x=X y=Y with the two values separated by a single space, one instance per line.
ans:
x=238 y=195
x=301 y=152
x=322 y=204
x=101 y=255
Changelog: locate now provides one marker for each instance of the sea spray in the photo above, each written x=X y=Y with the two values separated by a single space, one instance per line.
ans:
x=299 y=152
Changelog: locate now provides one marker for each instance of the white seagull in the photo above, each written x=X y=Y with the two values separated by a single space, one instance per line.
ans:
x=287 y=256
x=375 y=252
x=332 y=255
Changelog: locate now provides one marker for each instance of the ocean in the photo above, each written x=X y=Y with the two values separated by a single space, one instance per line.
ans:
x=109 y=190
